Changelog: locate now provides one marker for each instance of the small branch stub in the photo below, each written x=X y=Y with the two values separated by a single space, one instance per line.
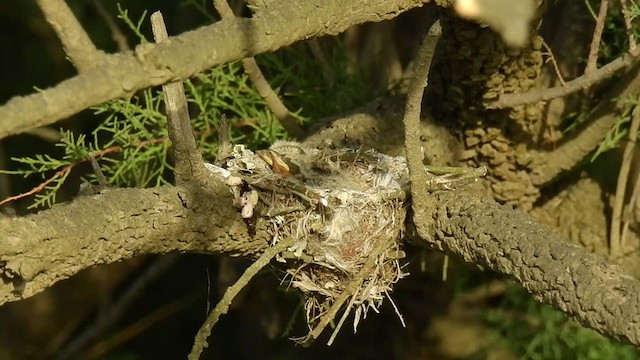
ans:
x=188 y=160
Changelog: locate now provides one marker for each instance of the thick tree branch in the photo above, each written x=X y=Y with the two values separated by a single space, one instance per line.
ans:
x=121 y=75
x=566 y=276
x=77 y=44
x=39 y=250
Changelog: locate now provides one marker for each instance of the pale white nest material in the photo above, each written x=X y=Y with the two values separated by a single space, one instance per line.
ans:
x=344 y=205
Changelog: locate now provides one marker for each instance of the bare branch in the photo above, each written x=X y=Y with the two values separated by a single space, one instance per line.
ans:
x=594 y=49
x=121 y=75
x=554 y=63
x=123 y=223
x=581 y=83
x=117 y=225
x=77 y=44
x=580 y=143
x=566 y=276
x=287 y=120
x=627 y=24
x=417 y=174
x=617 y=245
x=188 y=160
x=631 y=208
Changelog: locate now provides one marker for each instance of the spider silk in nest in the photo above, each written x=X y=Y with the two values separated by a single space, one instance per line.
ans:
x=345 y=210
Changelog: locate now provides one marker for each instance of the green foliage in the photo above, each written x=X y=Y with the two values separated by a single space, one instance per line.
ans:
x=123 y=14
x=615 y=136
x=132 y=146
x=535 y=331
x=618 y=133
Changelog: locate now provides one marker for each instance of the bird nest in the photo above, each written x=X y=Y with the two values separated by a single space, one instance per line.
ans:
x=344 y=212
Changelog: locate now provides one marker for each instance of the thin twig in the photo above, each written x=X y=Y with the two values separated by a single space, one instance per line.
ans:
x=188 y=160
x=554 y=63
x=635 y=193
x=417 y=174
x=287 y=120
x=580 y=83
x=200 y=341
x=116 y=34
x=77 y=44
x=616 y=244
x=595 y=40
x=102 y=180
x=627 y=24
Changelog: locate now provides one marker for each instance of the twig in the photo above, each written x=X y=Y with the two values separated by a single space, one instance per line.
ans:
x=200 y=341
x=40 y=187
x=417 y=174
x=102 y=180
x=580 y=83
x=115 y=312
x=77 y=44
x=627 y=24
x=188 y=160
x=548 y=165
x=116 y=34
x=554 y=63
x=616 y=244
x=595 y=40
x=287 y=120
x=635 y=193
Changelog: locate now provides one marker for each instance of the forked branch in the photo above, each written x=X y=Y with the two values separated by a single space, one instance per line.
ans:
x=287 y=120
x=192 y=52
